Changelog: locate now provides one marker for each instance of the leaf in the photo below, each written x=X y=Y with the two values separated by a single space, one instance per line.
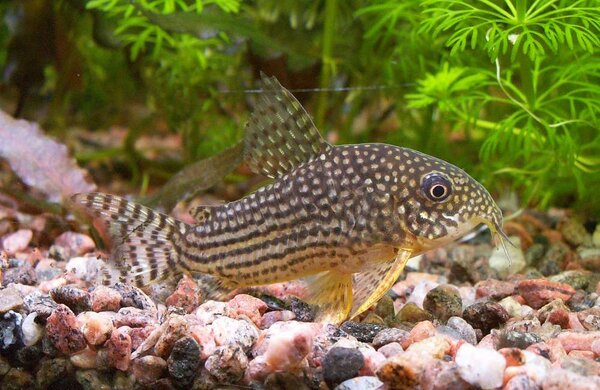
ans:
x=40 y=161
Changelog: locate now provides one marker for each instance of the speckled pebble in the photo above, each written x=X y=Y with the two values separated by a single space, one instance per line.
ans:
x=360 y=383
x=390 y=335
x=538 y=292
x=248 y=306
x=62 y=328
x=41 y=304
x=10 y=299
x=17 y=241
x=172 y=330
x=364 y=332
x=412 y=313
x=271 y=317
x=227 y=364
x=485 y=316
x=105 y=299
x=184 y=361
x=186 y=296
x=132 y=296
x=75 y=298
x=229 y=331
x=340 y=364
x=443 y=302
x=560 y=379
x=76 y=244
x=96 y=327
x=463 y=328
x=119 y=349
x=50 y=373
x=148 y=369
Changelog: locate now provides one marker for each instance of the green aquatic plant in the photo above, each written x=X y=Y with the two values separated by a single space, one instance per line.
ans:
x=520 y=79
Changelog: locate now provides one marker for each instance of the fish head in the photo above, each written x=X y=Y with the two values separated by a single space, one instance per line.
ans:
x=444 y=203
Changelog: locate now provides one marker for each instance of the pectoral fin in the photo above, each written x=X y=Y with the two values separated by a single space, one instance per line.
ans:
x=331 y=292
x=370 y=286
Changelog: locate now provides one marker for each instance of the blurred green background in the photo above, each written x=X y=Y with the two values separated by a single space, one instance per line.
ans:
x=507 y=89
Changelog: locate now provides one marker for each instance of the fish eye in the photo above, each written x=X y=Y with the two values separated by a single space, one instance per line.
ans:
x=436 y=187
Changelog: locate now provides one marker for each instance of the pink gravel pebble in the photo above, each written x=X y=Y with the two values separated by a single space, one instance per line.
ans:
x=272 y=317
x=391 y=349
x=63 y=331
x=17 y=241
x=148 y=369
x=96 y=327
x=574 y=340
x=420 y=331
x=186 y=295
x=538 y=292
x=119 y=349
x=85 y=359
x=205 y=338
x=105 y=299
x=139 y=335
x=247 y=305
x=77 y=243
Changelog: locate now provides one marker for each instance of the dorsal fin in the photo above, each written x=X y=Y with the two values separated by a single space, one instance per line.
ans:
x=280 y=134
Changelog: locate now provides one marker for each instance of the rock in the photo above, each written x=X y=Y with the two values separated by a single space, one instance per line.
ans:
x=463 y=328
x=538 y=292
x=521 y=382
x=46 y=269
x=32 y=332
x=391 y=349
x=63 y=331
x=521 y=340
x=227 y=364
x=246 y=305
x=340 y=364
x=485 y=316
x=29 y=356
x=555 y=258
x=272 y=317
x=420 y=331
x=596 y=236
x=186 y=296
x=105 y=299
x=75 y=244
x=119 y=349
x=92 y=380
x=4 y=366
x=85 y=268
x=52 y=372
x=579 y=365
x=17 y=241
x=417 y=296
x=302 y=310
x=578 y=340
x=96 y=327
x=560 y=379
x=385 y=308
x=172 y=330
x=555 y=312
x=86 y=358
x=441 y=375
x=184 y=361
x=590 y=318
x=76 y=299
x=579 y=280
x=148 y=369
x=575 y=233
x=580 y=301
x=209 y=311
x=360 y=383
x=139 y=335
x=286 y=345
x=17 y=379
x=443 y=302
x=363 y=332
x=589 y=258
x=284 y=381
x=534 y=253
x=390 y=335
x=134 y=297
x=229 y=331
x=480 y=367
x=10 y=299
x=494 y=289
x=412 y=313
x=20 y=275
x=508 y=265
x=134 y=318
x=41 y=304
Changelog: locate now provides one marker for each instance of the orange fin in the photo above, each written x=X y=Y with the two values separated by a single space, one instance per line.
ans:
x=370 y=286
x=331 y=292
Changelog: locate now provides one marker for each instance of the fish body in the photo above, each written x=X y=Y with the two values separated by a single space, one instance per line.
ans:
x=346 y=218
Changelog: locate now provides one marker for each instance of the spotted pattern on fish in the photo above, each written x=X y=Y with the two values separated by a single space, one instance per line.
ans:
x=346 y=217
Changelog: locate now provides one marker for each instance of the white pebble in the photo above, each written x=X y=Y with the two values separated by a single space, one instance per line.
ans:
x=230 y=331
x=508 y=266
x=480 y=367
x=32 y=332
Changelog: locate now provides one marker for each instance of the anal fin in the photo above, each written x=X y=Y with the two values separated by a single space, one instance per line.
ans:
x=331 y=292
x=370 y=286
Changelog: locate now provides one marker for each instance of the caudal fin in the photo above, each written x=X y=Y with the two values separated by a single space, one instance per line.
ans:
x=142 y=240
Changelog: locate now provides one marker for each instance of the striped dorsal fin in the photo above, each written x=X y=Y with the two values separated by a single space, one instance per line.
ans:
x=280 y=134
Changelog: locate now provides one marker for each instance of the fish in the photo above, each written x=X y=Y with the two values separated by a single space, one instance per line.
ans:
x=343 y=218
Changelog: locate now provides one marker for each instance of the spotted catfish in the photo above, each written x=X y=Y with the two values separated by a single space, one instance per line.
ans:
x=345 y=218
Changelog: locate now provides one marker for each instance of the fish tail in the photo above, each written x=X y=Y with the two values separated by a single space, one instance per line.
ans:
x=142 y=240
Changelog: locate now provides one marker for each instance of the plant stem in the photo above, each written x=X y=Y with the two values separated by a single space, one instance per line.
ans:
x=326 y=59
